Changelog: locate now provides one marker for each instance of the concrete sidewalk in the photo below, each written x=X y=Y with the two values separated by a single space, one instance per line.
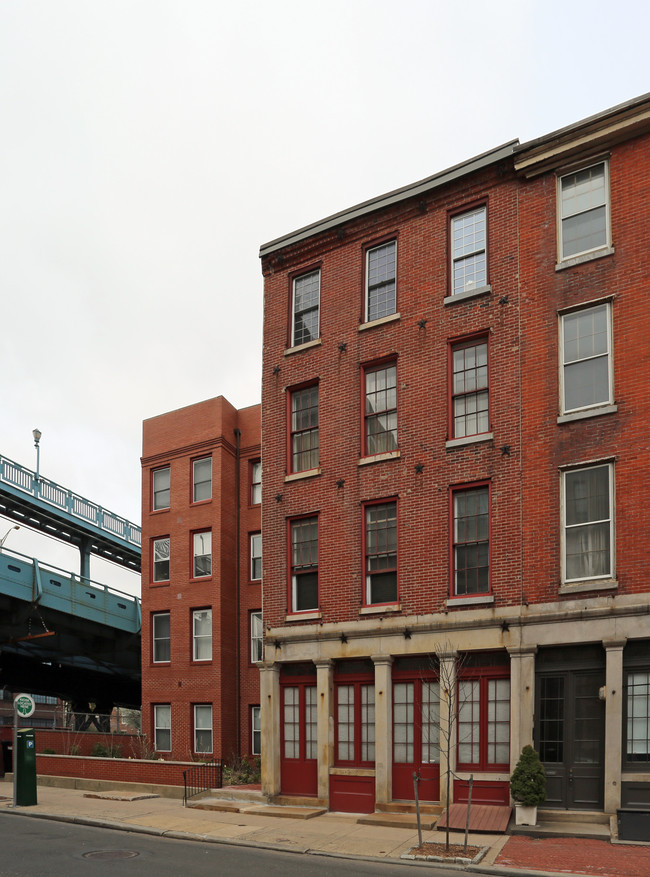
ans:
x=334 y=834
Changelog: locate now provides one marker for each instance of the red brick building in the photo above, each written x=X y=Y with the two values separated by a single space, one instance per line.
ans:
x=201 y=580
x=446 y=442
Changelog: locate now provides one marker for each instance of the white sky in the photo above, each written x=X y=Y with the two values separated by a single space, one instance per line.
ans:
x=148 y=148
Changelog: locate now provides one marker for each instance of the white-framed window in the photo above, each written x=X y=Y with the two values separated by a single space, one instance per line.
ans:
x=588 y=523
x=160 y=559
x=256 y=482
x=162 y=727
x=381 y=281
x=583 y=210
x=469 y=251
x=257 y=635
x=202 y=554
x=202 y=634
x=586 y=366
x=256 y=731
x=203 y=727
x=256 y=557
x=160 y=635
x=160 y=488
x=305 y=323
x=202 y=479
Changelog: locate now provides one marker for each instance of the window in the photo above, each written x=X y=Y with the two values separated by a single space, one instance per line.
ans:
x=202 y=479
x=484 y=722
x=584 y=211
x=381 y=268
x=304 y=564
x=469 y=388
x=257 y=651
x=355 y=723
x=380 y=412
x=256 y=482
x=256 y=557
x=468 y=251
x=306 y=308
x=416 y=722
x=202 y=554
x=471 y=548
x=202 y=635
x=203 y=727
x=586 y=373
x=299 y=721
x=162 y=727
x=638 y=717
x=256 y=731
x=161 y=559
x=160 y=637
x=160 y=488
x=381 y=552
x=304 y=429
x=588 y=523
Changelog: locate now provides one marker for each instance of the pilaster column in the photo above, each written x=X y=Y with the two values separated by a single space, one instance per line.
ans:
x=448 y=707
x=270 y=726
x=325 y=724
x=383 y=728
x=613 y=722
x=522 y=699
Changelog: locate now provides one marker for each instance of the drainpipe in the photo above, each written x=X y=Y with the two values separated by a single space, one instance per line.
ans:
x=237 y=585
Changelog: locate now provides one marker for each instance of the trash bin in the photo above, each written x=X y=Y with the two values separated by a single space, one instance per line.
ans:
x=25 y=765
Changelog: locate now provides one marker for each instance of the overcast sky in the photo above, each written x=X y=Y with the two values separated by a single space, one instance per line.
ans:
x=148 y=148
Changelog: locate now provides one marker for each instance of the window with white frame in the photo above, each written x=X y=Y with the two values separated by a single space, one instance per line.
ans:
x=160 y=637
x=381 y=552
x=162 y=727
x=256 y=557
x=160 y=559
x=304 y=429
x=471 y=541
x=203 y=727
x=202 y=554
x=256 y=482
x=380 y=415
x=256 y=731
x=381 y=286
x=202 y=634
x=160 y=488
x=637 y=709
x=469 y=390
x=469 y=251
x=586 y=373
x=304 y=564
x=306 y=308
x=257 y=637
x=583 y=210
x=202 y=479
x=588 y=522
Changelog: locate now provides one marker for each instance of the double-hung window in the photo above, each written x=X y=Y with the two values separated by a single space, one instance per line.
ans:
x=160 y=559
x=588 y=495
x=202 y=554
x=162 y=727
x=202 y=479
x=586 y=372
x=381 y=552
x=304 y=564
x=160 y=636
x=160 y=486
x=256 y=557
x=471 y=541
x=305 y=308
x=203 y=727
x=469 y=388
x=469 y=251
x=256 y=637
x=483 y=722
x=256 y=482
x=256 y=731
x=381 y=281
x=304 y=429
x=380 y=412
x=583 y=211
x=202 y=635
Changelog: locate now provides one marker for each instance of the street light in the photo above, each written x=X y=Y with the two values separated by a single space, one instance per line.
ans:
x=15 y=527
x=37 y=437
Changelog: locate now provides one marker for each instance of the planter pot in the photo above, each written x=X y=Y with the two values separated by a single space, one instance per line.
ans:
x=525 y=815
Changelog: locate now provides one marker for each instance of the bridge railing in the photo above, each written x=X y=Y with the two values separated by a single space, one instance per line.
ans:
x=61 y=498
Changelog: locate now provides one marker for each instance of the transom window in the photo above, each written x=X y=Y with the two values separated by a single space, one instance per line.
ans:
x=161 y=551
x=256 y=482
x=304 y=429
x=381 y=288
x=586 y=374
x=380 y=409
x=162 y=727
x=468 y=248
x=257 y=637
x=203 y=727
x=471 y=541
x=584 y=210
x=306 y=308
x=161 y=637
x=470 y=388
x=484 y=722
x=381 y=552
x=304 y=564
x=202 y=551
x=588 y=523
x=256 y=557
x=202 y=479
x=202 y=634
x=160 y=488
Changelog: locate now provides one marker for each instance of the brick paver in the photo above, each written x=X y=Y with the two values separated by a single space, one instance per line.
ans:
x=568 y=855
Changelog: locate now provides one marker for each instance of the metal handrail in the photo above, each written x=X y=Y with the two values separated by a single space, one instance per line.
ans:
x=202 y=778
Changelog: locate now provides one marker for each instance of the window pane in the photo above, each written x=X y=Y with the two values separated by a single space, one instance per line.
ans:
x=256 y=557
x=587 y=523
x=202 y=476
x=584 y=211
x=304 y=429
x=202 y=554
x=161 y=637
x=202 y=622
x=161 y=482
x=586 y=375
x=469 y=263
x=381 y=288
x=306 y=303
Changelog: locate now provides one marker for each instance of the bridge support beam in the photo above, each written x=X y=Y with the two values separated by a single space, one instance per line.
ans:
x=84 y=563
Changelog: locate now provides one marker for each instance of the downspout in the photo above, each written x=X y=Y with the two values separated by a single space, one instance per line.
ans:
x=237 y=585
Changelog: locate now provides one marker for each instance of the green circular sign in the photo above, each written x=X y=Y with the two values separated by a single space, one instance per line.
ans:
x=24 y=705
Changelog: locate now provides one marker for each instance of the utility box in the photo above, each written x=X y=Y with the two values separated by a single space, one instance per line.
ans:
x=633 y=824
x=25 y=767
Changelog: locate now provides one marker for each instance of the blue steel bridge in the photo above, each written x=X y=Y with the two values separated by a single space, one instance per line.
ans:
x=61 y=633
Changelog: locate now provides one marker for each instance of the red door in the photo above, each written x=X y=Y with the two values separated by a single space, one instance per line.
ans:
x=298 y=760
x=416 y=738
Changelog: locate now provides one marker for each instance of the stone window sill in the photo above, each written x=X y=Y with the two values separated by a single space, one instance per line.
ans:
x=300 y=347
x=298 y=476
x=584 y=257
x=390 y=318
x=589 y=412
x=467 y=294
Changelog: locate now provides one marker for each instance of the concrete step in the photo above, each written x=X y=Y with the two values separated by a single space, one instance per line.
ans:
x=409 y=807
x=398 y=820
x=593 y=817
x=564 y=828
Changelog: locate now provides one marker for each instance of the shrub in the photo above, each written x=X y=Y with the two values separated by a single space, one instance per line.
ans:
x=528 y=780
x=101 y=750
x=242 y=771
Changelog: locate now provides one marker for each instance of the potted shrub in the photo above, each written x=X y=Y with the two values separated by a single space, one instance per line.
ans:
x=528 y=786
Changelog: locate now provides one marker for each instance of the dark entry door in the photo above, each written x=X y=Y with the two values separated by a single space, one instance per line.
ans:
x=570 y=738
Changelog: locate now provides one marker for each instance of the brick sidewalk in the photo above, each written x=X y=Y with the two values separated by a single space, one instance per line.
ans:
x=572 y=856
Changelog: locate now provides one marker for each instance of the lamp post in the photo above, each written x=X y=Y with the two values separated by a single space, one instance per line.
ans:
x=37 y=437
x=15 y=527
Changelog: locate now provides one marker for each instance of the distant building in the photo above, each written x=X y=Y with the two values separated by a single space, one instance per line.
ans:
x=201 y=580
x=455 y=421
